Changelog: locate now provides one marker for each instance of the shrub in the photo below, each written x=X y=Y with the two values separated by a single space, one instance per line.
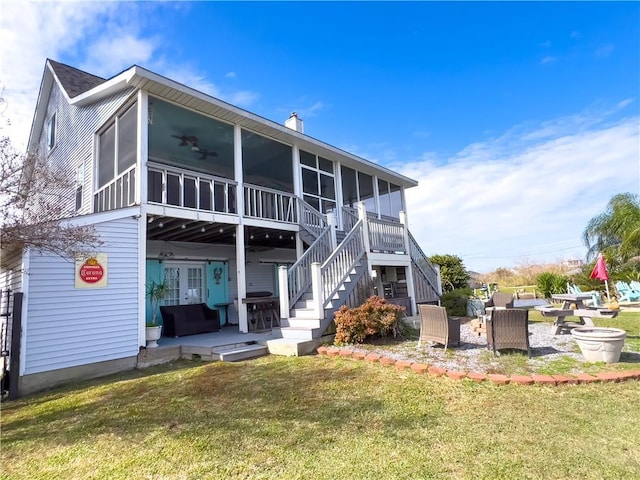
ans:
x=549 y=283
x=375 y=317
x=456 y=302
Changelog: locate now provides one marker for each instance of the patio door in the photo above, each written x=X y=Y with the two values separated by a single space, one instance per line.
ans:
x=186 y=283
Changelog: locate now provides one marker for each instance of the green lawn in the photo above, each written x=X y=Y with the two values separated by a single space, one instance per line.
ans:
x=319 y=418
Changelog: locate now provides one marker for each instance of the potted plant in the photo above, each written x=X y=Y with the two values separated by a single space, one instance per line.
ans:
x=156 y=293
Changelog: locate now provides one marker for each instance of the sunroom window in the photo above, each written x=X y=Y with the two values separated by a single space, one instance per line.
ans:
x=117 y=153
x=318 y=181
x=357 y=187
x=117 y=147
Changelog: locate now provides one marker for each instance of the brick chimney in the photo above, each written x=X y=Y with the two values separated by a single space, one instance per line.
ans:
x=294 y=123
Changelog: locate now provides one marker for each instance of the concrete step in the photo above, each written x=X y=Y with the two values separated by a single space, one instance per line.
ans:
x=237 y=353
x=299 y=333
x=296 y=347
x=301 y=322
x=303 y=313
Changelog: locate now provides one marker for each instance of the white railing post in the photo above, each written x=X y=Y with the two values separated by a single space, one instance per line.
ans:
x=331 y=221
x=362 y=215
x=283 y=283
x=405 y=231
x=316 y=289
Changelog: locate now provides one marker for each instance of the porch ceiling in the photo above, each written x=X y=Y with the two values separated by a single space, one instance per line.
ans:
x=181 y=230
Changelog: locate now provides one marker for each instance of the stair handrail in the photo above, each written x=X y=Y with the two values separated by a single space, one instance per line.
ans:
x=299 y=274
x=311 y=219
x=349 y=218
x=335 y=270
x=426 y=268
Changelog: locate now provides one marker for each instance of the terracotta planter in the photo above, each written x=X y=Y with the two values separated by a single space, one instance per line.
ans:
x=600 y=344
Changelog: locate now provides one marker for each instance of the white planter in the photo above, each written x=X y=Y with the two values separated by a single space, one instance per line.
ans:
x=153 y=335
x=600 y=344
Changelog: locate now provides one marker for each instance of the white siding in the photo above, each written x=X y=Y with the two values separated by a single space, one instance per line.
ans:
x=67 y=326
x=11 y=271
x=75 y=137
x=10 y=281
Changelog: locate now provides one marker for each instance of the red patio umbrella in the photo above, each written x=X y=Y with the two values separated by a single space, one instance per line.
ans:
x=600 y=272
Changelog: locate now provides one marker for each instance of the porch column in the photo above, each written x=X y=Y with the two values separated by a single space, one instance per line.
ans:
x=241 y=277
x=409 y=270
x=243 y=323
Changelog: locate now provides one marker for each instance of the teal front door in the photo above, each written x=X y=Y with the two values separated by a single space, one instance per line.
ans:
x=217 y=274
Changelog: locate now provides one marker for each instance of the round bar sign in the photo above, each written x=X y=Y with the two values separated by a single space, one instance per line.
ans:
x=91 y=271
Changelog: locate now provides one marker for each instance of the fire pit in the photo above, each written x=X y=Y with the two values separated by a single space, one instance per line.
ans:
x=600 y=344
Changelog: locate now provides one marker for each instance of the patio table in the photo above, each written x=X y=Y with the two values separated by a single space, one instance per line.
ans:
x=572 y=305
x=261 y=309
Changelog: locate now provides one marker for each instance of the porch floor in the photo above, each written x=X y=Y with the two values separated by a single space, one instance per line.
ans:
x=230 y=335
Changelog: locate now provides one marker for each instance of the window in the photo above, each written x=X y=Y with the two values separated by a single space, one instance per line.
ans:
x=357 y=187
x=318 y=182
x=79 y=183
x=51 y=132
x=266 y=162
x=390 y=198
x=186 y=139
x=117 y=144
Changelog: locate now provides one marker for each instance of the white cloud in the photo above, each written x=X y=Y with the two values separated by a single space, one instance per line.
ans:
x=604 y=51
x=243 y=98
x=29 y=33
x=103 y=38
x=230 y=75
x=525 y=195
x=548 y=60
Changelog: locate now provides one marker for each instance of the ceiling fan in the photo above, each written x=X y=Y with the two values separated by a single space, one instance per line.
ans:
x=192 y=142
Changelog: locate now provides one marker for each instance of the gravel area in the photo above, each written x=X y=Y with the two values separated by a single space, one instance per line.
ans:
x=472 y=354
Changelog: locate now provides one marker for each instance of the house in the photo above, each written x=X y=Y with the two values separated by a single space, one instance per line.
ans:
x=221 y=203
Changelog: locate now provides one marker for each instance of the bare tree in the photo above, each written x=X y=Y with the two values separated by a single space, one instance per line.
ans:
x=36 y=203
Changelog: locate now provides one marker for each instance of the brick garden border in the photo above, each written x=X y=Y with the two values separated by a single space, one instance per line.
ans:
x=496 y=379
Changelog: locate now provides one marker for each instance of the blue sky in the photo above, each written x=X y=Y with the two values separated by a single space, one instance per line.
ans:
x=520 y=120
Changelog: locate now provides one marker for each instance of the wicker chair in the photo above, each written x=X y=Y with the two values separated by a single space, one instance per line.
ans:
x=499 y=300
x=436 y=326
x=508 y=328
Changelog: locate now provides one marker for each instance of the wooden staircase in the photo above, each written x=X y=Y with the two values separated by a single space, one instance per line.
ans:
x=325 y=277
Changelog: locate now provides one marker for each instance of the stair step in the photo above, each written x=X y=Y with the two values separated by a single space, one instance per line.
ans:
x=237 y=353
x=302 y=333
x=304 y=313
x=301 y=322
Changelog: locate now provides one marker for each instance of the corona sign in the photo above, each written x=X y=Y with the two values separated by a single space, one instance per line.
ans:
x=91 y=271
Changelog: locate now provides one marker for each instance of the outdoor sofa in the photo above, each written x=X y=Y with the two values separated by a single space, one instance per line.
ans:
x=181 y=320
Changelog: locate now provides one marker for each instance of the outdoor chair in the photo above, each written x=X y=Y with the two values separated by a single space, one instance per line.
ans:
x=508 y=328
x=499 y=300
x=626 y=292
x=436 y=326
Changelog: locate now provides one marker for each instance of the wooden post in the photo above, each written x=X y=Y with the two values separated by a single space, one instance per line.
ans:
x=283 y=283
x=316 y=288
x=331 y=221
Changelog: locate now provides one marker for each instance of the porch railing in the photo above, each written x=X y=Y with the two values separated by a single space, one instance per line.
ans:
x=119 y=193
x=425 y=275
x=184 y=188
x=340 y=264
x=299 y=274
x=349 y=218
x=386 y=236
x=311 y=219
x=268 y=204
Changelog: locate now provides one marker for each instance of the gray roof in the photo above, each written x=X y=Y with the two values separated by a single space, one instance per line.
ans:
x=74 y=81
